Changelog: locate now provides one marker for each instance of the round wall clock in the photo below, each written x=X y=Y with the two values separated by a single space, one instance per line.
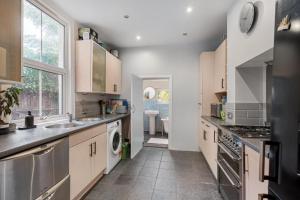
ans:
x=247 y=17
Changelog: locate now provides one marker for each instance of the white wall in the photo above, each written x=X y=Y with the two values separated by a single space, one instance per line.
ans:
x=250 y=85
x=182 y=62
x=244 y=47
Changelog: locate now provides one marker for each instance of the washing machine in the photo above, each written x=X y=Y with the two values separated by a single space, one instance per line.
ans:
x=114 y=144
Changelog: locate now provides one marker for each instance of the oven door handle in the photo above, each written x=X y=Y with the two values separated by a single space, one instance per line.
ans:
x=227 y=151
x=233 y=182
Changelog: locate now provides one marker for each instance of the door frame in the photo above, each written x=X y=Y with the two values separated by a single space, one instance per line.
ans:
x=169 y=77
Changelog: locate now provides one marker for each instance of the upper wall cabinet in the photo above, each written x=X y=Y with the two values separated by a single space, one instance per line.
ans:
x=97 y=71
x=10 y=40
x=113 y=74
x=243 y=46
x=220 y=68
x=207 y=79
x=90 y=67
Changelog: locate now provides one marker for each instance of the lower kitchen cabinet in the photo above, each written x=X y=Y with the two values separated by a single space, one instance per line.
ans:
x=253 y=186
x=208 y=144
x=88 y=151
x=100 y=153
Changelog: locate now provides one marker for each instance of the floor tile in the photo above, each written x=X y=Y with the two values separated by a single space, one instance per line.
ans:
x=152 y=164
x=149 y=172
x=166 y=185
x=167 y=174
x=125 y=180
x=158 y=174
x=145 y=183
x=162 y=195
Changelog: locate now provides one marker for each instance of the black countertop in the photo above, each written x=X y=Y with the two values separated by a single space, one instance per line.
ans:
x=25 y=139
x=253 y=143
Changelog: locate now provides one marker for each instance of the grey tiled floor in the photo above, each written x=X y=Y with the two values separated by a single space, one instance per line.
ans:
x=158 y=174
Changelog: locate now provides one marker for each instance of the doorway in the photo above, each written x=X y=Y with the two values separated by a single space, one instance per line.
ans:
x=151 y=112
x=156 y=112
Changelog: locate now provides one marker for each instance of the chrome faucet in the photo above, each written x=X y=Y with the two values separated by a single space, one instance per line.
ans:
x=70 y=116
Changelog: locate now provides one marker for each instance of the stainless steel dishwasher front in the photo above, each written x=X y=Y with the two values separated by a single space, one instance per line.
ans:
x=28 y=175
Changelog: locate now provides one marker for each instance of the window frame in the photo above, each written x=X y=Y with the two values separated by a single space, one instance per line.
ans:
x=65 y=71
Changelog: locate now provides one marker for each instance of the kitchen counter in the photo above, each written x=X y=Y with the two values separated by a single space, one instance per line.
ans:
x=253 y=143
x=25 y=139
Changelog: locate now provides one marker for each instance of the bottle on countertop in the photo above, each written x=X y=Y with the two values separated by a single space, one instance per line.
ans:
x=29 y=120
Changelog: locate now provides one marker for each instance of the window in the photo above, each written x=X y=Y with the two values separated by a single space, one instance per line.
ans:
x=44 y=70
x=163 y=96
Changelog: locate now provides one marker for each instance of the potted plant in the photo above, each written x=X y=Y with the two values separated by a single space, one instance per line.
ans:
x=8 y=99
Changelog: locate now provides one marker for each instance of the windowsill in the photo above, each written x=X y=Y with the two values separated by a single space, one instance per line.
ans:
x=38 y=121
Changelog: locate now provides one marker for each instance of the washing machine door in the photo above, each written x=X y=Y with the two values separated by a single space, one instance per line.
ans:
x=115 y=141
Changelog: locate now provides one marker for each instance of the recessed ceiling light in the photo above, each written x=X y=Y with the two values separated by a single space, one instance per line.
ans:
x=138 y=37
x=184 y=34
x=126 y=16
x=189 y=9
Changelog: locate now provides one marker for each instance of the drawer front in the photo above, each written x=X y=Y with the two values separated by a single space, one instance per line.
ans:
x=33 y=172
x=87 y=134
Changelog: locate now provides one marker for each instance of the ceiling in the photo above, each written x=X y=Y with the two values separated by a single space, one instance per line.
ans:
x=158 y=22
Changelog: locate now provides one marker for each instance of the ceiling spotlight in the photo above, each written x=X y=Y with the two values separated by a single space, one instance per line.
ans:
x=138 y=37
x=184 y=34
x=189 y=9
x=126 y=16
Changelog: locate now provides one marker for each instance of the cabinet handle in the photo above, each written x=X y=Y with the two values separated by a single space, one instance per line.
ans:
x=204 y=135
x=222 y=84
x=214 y=136
x=207 y=125
x=115 y=87
x=95 y=148
x=91 y=150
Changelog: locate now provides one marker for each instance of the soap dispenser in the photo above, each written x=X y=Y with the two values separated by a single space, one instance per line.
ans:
x=29 y=120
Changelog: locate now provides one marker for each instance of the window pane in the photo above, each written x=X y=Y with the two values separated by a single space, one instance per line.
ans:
x=43 y=37
x=51 y=94
x=41 y=94
x=29 y=98
x=32 y=32
x=52 y=41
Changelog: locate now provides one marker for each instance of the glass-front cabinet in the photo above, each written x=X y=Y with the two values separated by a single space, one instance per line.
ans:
x=99 y=68
x=10 y=40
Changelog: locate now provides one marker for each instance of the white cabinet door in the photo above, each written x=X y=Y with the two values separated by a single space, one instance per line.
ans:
x=113 y=74
x=213 y=149
x=253 y=186
x=208 y=144
x=99 y=154
x=80 y=167
x=220 y=68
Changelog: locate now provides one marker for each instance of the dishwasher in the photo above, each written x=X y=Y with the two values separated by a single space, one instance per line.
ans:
x=41 y=173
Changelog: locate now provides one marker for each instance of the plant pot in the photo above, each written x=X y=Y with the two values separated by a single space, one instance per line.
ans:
x=6 y=119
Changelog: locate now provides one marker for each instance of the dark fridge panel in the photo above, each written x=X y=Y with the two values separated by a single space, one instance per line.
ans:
x=286 y=102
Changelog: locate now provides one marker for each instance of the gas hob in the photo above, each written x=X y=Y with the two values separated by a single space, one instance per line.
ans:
x=250 y=131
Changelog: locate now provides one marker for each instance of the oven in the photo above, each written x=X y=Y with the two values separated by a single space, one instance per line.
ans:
x=230 y=166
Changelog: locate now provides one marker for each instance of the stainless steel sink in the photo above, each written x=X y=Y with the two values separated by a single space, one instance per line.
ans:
x=90 y=119
x=66 y=125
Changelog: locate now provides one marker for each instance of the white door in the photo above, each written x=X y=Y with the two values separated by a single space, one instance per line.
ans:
x=137 y=114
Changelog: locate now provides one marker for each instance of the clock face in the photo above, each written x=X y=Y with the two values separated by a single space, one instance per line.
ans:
x=247 y=17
